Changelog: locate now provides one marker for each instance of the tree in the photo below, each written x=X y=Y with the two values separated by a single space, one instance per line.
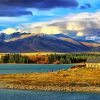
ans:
x=62 y=60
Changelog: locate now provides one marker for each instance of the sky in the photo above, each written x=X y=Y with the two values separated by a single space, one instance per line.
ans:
x=18 y=15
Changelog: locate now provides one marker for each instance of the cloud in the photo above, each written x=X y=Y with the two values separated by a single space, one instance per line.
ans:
x=86 y=6
x=9 y=30
x=95 y=38
x=17 y=12
x=80 y=34
x=72 y=26
x=13 y=19
x=19 y=7
x=50 y=30
x=75 y=25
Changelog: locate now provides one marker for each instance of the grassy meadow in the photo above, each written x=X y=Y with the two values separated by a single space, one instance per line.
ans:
x=74 y=79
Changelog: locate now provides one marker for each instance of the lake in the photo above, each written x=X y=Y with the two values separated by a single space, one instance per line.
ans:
x=27 y=68
x=6 y=94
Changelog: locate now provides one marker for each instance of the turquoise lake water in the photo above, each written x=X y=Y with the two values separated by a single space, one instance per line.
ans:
x=46 y=95
x=27 y=68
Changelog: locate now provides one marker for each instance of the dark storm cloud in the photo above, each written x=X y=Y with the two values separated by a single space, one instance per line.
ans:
x=14 y=12
x=19 y=7
x=86 y=6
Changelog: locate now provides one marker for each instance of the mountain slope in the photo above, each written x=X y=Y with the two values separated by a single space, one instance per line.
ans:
x=43 y=43
x=88 y=43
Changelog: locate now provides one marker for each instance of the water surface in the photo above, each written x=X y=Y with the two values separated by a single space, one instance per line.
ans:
x=27 y=68
x=44 y=95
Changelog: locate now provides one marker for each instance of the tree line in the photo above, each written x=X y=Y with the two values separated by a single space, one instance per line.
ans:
x=71 y=58
x=14 y=58
x=47 y=59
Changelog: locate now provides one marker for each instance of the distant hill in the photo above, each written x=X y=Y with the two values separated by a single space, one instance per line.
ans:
x=89 y=43
x=43 y=43
x=96 y=49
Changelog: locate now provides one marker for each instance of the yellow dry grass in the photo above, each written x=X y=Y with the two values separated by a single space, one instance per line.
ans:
x=70 y=77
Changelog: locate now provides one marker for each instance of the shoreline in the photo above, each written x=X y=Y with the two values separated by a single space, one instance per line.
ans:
x=39 y=64
x=91 y=89
x=71 y=80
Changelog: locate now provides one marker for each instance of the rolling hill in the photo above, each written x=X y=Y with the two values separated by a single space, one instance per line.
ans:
x=43 y=43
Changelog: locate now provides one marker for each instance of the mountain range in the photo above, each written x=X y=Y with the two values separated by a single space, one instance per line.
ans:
x=28 y=42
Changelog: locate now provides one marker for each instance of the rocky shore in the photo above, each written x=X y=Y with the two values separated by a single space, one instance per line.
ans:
x=75 y=79
x=51 y=88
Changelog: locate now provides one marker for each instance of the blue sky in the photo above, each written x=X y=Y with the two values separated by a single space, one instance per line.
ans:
x=14 y=13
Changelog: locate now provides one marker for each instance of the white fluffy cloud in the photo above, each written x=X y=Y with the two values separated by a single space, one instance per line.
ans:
x=72 y=26
x=75 y=22
x=82 y=24
x=95 y=38
x=9 y=30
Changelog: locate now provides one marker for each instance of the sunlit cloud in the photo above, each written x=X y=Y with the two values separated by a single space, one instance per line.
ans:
x=50 y=30
x=9 y=31
x=81 y=24
x=80 y=34
x=72 y=26
x=78 y=22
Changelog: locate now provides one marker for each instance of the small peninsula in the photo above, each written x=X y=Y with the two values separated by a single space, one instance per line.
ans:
x=77 y=78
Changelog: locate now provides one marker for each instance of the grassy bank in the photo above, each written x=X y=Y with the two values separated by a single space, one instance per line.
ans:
x=75 y=79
